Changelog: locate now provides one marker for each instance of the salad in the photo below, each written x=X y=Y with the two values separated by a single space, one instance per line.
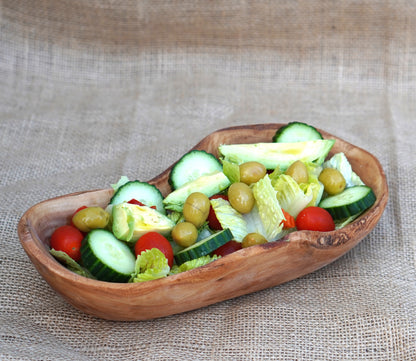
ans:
x=251 y=194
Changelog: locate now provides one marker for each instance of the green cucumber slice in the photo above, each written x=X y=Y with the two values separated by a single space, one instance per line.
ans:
x=106 y=257
x=296 y=132
x=349 y=202
x=191 y=166
x=143 y=192
x=204 y=247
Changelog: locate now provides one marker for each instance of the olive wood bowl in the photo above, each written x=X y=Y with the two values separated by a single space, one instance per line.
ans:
x=245 y=271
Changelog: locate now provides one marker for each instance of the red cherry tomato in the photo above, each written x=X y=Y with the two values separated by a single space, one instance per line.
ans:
x=67 y=239
x=289 y=222
x=229 y=247
x=154 y=240
x=213 y=222
x=315 y=219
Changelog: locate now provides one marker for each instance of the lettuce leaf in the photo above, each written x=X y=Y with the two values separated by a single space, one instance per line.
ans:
x=150 y=265
x=290 y=195
x=121 y=182
x=195 y=263
x=339 y=161
x=315 y=190
x=265 y=217
x=231 y=170
x=314 y=187
x=268 y=208
x=229 y=218
x=71 y=264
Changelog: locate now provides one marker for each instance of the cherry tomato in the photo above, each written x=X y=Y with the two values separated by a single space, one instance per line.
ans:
x=67 y=239
x=229 y=247
x=289 y=222
x=213 y=222
x=315 y=219
x=154 y=240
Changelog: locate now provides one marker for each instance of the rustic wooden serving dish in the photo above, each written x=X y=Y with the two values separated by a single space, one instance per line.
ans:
x=248 y=270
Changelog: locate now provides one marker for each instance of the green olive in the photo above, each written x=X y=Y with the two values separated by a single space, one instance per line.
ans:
x=90 y=218
x=251 y=172
x=298 y=172
x=333 y=181
x=184 y=234
x=196 y=209
x=241 y=197
x=252 y=239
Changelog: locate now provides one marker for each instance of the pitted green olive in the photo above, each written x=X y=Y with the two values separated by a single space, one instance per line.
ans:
x=251 y=172
x=90 y=218
x=252 y=239
x=298 y=172
x=241 y=197
x=184 y=234
x=333 y=181
x=196 y=209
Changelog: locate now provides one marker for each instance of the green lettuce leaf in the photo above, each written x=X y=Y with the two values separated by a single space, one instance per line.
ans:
x=339 y=161
x=314 y=187
x=290 y=195
x=121 y=182
x=229 y=218
x=267 y=209
x=150 y=265
x=194 y=263
x=340 y=223
x=231 y=170
x=71 y=264
x=314 y=190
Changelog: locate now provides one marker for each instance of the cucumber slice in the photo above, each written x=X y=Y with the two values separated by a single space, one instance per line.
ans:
x=193 y=165
x=107 y=258
x=143 y=192
x=204 y=247
x=296 y=132
x=349 y=202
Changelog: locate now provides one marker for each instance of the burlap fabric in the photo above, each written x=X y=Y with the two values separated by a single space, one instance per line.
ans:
x=91 y=90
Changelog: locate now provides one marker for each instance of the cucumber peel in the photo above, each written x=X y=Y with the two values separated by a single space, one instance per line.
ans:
x=349 y=202
x=191 y=166
x=204 y=247
x=106 y=257
x=296 y=132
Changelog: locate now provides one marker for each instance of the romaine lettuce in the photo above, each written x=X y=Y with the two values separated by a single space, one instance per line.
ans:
x=229 y=218
x=197 y=262
x=268 y=208
x=231 y=170
x=339 y=161
x=290 y=195
x=150 y=265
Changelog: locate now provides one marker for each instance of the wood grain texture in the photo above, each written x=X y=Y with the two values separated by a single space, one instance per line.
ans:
x=248 y=270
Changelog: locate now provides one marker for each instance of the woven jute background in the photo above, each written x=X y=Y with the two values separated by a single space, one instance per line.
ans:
x=92 y=90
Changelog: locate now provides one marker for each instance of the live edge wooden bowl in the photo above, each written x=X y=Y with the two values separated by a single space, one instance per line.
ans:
x=248 y=270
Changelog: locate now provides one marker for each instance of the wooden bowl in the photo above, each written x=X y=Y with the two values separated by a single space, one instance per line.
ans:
x=245 y=271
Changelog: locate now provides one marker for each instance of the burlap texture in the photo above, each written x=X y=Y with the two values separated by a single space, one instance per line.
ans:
x=91 y=90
